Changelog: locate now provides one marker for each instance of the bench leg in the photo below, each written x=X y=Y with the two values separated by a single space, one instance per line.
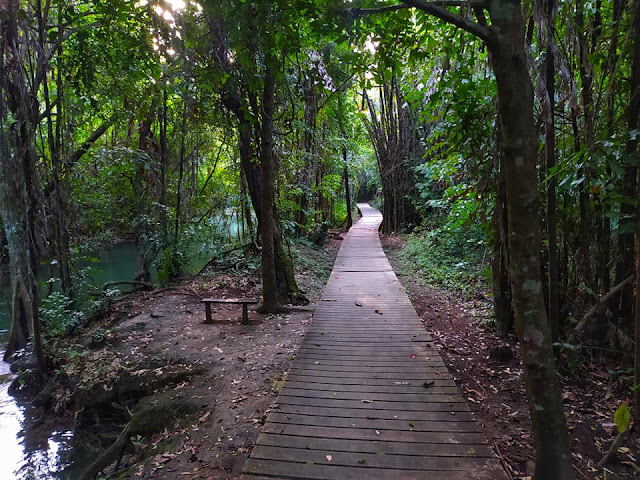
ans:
x=245 y=314
x=207 y=309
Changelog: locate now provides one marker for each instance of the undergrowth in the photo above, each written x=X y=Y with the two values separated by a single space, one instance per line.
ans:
x=449 y=256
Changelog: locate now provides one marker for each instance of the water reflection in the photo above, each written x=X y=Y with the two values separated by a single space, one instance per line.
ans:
x=11 y=419
x=41 y=454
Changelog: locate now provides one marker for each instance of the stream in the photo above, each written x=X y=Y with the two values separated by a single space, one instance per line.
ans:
x=51 y=456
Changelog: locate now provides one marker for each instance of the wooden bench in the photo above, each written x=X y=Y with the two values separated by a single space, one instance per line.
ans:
x=243 y=301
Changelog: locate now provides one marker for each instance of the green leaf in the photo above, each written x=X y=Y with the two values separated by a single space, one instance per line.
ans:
x=622 y=418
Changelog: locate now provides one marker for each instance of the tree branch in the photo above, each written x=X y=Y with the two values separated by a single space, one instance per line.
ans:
x=82 y=149
x=582 y=323
x=436 y=8
x=359 y=12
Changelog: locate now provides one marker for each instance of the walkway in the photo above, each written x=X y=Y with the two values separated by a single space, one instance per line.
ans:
x=368 y=397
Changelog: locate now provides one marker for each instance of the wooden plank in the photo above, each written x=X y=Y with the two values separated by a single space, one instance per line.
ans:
x=309 y=471
x=373 y=435
x=405 y=375
x=458 y=406
x=376 y=424
x=375 y=414
x=230 y=300
x=370 y=371
x=373 y=460
x=439 y=382
x=388 y=448
x=370 y=349
x=452 y=390
x=346 y=361
x=398 y=397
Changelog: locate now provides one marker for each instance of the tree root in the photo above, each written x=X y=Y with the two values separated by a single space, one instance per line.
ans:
x=135 y=283
x=617 y=443
x=109 y=456
x=583 y=323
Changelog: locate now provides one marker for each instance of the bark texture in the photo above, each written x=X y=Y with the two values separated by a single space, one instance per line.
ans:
x=519 y=146
x=18 y=184
x=394 y=138
x=267 y=227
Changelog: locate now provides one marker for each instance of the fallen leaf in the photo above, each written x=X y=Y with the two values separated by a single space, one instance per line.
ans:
x=429 y=383
x=329 y=458
x=366 y=401
x=361 y=462
x=358 y=304
x=378 y=311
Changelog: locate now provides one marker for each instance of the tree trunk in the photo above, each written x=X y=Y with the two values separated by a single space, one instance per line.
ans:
x=60 y=206
x=505 y=41
x=146 y=249
x=183 y=134
x=519 y=145
x=18 y=199
x=162 y=200
x=586 y=77
x=625 y=241
x=310 y=98
x=502 y=301
x=550 y=153
x=347 y=192
x=287 y=287
x=267 y=225
x=393 y=136
x=632 y=146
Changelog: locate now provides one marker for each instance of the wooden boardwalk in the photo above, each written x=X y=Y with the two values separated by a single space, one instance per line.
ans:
x=368 y=397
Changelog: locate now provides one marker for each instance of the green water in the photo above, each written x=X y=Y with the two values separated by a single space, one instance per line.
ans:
x=49 y=457
x=117 y=263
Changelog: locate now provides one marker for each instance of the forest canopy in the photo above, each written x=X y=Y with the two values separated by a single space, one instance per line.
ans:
x=503 y=130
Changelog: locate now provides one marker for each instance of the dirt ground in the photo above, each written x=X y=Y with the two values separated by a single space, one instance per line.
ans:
x=489 y=373
x=233 y=372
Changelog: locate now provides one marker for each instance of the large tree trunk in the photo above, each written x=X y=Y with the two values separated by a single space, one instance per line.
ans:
x=310 y=98
x=347 y=190
x=18 y=200
x=502 y=301
x=270 y=301
x=505 y=41
x=586 y=77
x=632 y=147
x=625 y=242
x=550 y=153
x=393 y=136
x=146 y=249
x=59 y=179
x=519 y=145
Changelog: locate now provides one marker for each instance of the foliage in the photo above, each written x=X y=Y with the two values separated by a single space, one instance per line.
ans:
x=622 y=418
x=449 y=256
x=58 y=316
